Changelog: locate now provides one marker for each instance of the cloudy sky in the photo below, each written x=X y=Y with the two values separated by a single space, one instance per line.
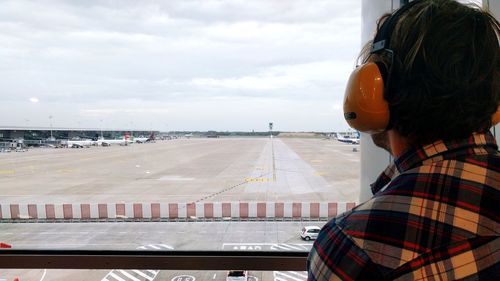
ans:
x=177 y=65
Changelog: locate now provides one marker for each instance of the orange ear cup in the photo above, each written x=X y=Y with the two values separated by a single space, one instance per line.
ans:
x=365 y=108
x=496 y=117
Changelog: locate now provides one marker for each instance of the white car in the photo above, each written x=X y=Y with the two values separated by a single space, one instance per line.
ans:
x=310 y=232
x=237 y=275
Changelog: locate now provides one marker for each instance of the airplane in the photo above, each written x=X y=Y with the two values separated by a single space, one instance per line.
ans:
x=107 y=142
x=143 y=140
x=80 y=143
x=347 y=139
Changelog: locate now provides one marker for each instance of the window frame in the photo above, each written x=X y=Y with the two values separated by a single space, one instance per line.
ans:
x=160 y=260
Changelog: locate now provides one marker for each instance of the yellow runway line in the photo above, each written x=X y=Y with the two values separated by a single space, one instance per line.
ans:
x=67 y=170
x=256 y=179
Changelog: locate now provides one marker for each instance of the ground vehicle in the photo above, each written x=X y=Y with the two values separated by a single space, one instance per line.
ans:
x=237 y=275
x=310 y=232
x=76 y=145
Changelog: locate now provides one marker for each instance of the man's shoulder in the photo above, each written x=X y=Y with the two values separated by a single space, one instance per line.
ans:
x=393 y=230
x=461 y=193
x=335 y=256
x=461 y=164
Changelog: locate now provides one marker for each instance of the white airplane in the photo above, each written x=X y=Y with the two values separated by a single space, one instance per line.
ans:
x=143 y=140
x=80 y=143
x=347 y=139
x=107 y=142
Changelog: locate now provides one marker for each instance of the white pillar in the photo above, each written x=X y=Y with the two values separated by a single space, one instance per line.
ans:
x=494 y=7
x=373 y=159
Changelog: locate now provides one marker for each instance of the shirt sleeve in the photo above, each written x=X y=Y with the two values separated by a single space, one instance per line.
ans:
x=335 y=256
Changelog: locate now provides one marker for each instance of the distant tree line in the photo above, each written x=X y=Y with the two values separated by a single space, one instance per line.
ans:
x=224 y=133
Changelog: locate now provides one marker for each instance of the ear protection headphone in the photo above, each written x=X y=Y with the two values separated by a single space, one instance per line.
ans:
x=365 y=107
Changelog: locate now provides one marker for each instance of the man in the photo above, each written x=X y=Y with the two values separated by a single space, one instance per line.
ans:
x=435 y=210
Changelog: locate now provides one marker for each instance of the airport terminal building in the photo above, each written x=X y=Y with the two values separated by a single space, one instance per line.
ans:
x=14 y=136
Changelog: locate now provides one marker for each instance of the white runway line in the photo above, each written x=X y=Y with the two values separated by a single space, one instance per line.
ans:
x=149 y=275
x=112 y=274
x=288 y=247
x=120 y=275
x=133 y=278
x=44 y=273
x=290 y=275
x=166 y=246
x=138 y=272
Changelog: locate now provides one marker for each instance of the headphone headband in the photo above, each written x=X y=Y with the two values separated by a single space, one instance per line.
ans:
x=382 y=39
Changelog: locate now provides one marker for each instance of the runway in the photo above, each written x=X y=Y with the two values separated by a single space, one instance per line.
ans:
x=234 y=170
x=184 y=170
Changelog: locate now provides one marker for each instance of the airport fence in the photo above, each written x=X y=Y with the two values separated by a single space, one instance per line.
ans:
x=214 y=211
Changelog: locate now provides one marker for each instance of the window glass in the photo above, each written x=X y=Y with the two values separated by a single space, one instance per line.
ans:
x=176 y=125
x=148 y=275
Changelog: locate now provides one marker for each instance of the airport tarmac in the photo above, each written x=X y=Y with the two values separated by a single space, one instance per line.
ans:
x=185 y=170
x=144 y=275
x=182 y=170
x=239 y=236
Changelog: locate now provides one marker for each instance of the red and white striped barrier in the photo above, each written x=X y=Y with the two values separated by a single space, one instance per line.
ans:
x=239 y=210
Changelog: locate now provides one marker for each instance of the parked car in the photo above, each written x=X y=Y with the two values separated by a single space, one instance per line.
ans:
x=237 y=275
x=310 y=232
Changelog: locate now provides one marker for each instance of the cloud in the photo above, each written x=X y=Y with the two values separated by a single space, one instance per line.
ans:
x=320 y=80
x=94 y=55
x=129 y=111
x=249 y=83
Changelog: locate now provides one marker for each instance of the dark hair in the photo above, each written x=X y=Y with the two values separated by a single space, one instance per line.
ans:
x=444 y=79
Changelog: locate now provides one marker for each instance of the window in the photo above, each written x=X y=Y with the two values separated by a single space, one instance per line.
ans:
x=176 y=126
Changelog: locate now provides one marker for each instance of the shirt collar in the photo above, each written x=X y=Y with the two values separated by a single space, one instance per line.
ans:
x=436 y=151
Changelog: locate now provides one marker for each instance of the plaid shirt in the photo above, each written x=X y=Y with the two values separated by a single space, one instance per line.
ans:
x=434 y=216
